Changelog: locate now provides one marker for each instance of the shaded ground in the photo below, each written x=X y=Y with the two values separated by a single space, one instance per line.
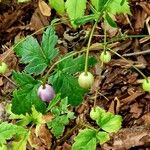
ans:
x=118 y=88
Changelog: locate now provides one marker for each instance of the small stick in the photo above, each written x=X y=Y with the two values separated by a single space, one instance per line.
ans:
x=137 y=53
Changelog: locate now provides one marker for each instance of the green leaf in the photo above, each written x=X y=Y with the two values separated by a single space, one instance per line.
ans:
x=109 y=122
x=49 y=41
x=85 y=140
x=38 y=58
x=53 y=102
x=61 y=117
x=58 y=5
x=122 y=2
x=117 y=7
x=3 y=147
x=99 y=4
x=69 y=87
x=73 y=65
x=8 y=130
x=23 y=79
x=21 y=144
x=26 y=95
x=110 y=21
x=85 y=19
x=66 y=84
x=102 y=137
x=75 y=9
x=57 y=125
x=112 y=6
x=64 y=105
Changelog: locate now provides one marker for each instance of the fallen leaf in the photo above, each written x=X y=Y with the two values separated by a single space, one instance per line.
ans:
x=44 y=8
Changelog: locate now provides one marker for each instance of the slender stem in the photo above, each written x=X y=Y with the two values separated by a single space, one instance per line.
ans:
x=138 y=70
x=95 y=98
x=88 y=48
x=105 y=36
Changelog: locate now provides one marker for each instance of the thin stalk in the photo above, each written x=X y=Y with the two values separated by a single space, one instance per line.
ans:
x=138 y=70
x=95 y=98
x=88 y=48
x=105 y=36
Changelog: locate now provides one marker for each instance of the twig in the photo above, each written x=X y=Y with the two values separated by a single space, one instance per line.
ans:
x=137 y=53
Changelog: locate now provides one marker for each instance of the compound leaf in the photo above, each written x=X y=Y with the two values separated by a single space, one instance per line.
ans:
x=68 y=87
x=118 y=7
x=109 y=122
x=57 y=125
x=75 y=9
x=85 y=140
x=8 y=130
x=66 y=84
x=21 y=144
x=99 y=4
x=112 y=6
x=26 y=95
x=73 y=65
x=37 y=58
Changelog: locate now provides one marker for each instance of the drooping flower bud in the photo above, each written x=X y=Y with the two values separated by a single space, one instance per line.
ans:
x=46 y=93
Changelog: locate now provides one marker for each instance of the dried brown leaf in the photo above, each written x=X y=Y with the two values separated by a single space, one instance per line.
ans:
x=44 y=8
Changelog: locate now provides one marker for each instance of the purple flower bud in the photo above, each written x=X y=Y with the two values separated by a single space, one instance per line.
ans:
x=46 y=93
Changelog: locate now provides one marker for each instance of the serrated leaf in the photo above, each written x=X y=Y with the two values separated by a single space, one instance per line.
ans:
x=73 y=65
x=75 y=9
x=115 y=7
x=38 y=58
x=99 y=4
x=49 y=41
x=110 y=21
x=69 y=87
x=21 y=144
x=8 y=130
x=64 y=105
x=85 y=140
x=54 y=101
x=102 y=137
x=23 y=79
x=58 y=5
x=66 y=84
x=109 y=122
x=112 y=6
x=57 y=125
x=26 y=95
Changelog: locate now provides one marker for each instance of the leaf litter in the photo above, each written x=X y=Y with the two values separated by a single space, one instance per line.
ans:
x=118 y=88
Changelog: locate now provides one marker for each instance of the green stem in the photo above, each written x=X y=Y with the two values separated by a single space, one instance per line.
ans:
x=88 y=48
x=138 y=70
x=105 y=36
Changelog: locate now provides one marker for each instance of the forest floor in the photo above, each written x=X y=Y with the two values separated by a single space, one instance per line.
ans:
x=118 y=89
